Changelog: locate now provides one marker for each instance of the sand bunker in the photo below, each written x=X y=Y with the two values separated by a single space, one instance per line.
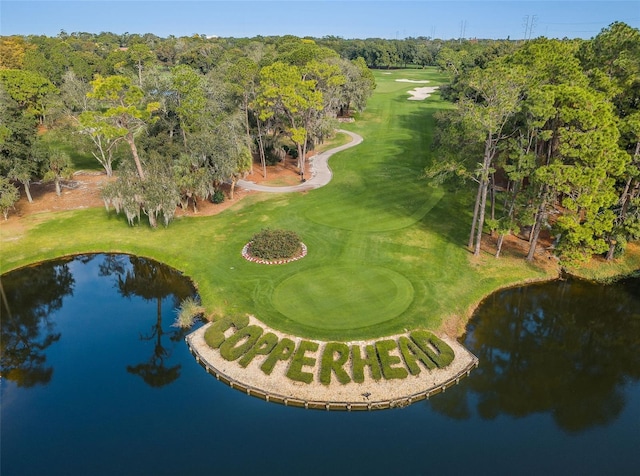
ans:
x=418 y=94
x=413 y=81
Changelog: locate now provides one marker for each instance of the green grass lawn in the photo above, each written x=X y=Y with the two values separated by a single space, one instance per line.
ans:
x=386 y=250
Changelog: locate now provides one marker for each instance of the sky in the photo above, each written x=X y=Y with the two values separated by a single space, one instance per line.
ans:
x=498 y=19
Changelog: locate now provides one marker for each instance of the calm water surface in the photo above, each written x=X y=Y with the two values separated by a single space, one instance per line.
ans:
x=97 y=381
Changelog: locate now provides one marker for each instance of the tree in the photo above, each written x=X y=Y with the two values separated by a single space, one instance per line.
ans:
x=9 y=195
x=498 y=93
x=626 y=225
x=74 y=93
x=284 y=94
x=612 y=63
x=125 y=113
x=585 y=165
x=57 y=164
x=104 y=136
x=358 y=85
x=155 y=196
x=190 y=98
x=139 y=54
x=12 y=51
x=17 y=160
x=28 y=89
x=242 y=76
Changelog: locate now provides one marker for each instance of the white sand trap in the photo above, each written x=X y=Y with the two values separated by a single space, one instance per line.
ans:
x=418 y=94
x=386 y=73
x=413 y=81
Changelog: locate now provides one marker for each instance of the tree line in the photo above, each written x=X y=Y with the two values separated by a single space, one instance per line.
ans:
x=179 y=117
x=547 y=130
x=549 y=133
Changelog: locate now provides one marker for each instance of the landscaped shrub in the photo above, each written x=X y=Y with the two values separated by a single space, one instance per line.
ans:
x=358 y=363
x=334 y=365
x=240 y=342
x=217 y=197
x=443 y=354
x=265 y=344
x=275 y=244
x=387 y=361
x=300 y=360
x=282 y=351
x=214 y=335
x=411 y=354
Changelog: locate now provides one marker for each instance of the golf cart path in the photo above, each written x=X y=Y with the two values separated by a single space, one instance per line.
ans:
x=320 y=171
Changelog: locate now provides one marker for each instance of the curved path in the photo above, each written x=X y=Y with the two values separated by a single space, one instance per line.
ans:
x=320 y=171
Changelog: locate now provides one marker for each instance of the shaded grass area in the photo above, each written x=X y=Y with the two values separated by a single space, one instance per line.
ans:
x=377 y=216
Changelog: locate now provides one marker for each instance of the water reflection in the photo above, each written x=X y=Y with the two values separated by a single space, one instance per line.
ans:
x=142 y=277
x=566 y=348
x=30 y=296
x=25 y=328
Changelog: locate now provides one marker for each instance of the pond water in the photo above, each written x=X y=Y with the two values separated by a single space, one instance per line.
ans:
x=97 y=381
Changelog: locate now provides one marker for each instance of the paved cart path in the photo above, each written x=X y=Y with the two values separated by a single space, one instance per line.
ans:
x=320 y=171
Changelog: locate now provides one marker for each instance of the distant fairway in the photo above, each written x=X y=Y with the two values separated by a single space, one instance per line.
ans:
x=343 y=297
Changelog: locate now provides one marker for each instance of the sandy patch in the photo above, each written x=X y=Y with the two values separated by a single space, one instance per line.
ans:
x=419 y=94
x=420 y=81
x=369 y=395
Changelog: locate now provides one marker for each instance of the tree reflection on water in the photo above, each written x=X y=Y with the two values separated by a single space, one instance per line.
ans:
x=149 y=280
x=566 y=348
x=28 y=298
x=31 y=295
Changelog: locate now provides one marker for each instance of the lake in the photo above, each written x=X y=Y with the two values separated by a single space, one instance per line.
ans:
x=96 y=380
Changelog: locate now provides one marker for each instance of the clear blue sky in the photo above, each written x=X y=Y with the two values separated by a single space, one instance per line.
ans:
x=344 y=18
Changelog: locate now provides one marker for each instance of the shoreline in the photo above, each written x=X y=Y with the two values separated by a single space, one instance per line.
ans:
x=369 y=395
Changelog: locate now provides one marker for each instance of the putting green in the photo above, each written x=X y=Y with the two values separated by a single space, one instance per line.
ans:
x=343 y=297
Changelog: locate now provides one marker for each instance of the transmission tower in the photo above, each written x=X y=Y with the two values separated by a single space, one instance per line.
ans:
x=529 y=25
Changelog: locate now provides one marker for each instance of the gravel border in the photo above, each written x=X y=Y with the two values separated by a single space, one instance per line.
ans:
x=246 y=255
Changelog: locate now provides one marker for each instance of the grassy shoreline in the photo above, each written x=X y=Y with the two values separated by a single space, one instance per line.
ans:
x=376 y=213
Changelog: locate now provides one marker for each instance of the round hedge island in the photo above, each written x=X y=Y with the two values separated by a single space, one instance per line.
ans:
x=274 y=247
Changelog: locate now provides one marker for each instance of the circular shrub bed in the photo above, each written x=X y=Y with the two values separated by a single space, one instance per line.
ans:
x=274 y=247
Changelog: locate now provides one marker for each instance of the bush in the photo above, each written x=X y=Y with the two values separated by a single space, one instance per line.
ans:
x=300 y=360
x=358 y=363
x=273 y=155
x=334 y=356
x=214 y=335
x=389 y=363
x=217 y=197
x=291 y=151
x=187 y=313
x=426 y=341
x=239 y=343
x=275 y=244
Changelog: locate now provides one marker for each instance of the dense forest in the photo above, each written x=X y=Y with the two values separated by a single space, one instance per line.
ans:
x=548 y=130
